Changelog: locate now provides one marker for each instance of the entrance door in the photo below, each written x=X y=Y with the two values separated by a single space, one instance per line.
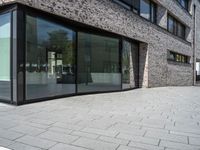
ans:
x=130 y=71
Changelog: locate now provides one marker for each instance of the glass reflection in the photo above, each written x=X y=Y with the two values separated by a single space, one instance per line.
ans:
x=98 y=63
x=50 y=59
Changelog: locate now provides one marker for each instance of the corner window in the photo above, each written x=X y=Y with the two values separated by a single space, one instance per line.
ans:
x=176 y=57
x=148 y=10
x=176 y=27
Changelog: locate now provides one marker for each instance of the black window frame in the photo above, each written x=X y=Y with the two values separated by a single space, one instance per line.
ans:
x=176 y=27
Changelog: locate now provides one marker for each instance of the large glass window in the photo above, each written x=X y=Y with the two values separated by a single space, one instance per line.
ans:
x=98 y=63
x=5 y=79
x=50 y=59
x=130 y=71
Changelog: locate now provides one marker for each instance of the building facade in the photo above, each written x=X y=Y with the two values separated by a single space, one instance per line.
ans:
x=51 y=49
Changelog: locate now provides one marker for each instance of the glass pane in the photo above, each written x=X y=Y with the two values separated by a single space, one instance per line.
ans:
x=181 y=30
x=50 y=59
x=5 y=82
x=98 y=63
x=129 y=65
x=145 y=9
x=170 y=24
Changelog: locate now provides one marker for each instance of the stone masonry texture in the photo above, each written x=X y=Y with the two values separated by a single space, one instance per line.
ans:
x=155 y=70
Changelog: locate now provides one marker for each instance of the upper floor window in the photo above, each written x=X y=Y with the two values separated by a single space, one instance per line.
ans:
x=176 y=57
x=184 y=3
x=147 y=8
x=176 y=27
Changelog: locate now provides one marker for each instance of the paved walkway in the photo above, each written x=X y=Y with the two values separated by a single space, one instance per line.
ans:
x=143 y=119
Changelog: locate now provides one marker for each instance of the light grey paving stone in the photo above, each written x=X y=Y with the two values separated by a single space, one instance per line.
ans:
x=194 y=141
x=5 y=142
x=150 y=124
x=28 y=130
x=6 y=124
x=67 y=126
x=144 y=146
x=149 y=106
x=36 y=125
x=170 y=149
x=96 y=124
x=95 y=144
x=185 y=134
x=179 y=146
x=184 y=129
x=152 y=141
x=61 y=146
x=128 y=129
x=11 y=135
x=41 y=121
x=21 y=146
x=113 y=140
x=155 y=130
x=100 y=132
x=58 y=137
x=60 y=130
x=36 y=142
x=122 y=147
x=85 y=134
x=166 y=136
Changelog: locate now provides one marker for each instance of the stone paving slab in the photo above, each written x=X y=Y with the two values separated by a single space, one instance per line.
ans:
x=145 y=119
